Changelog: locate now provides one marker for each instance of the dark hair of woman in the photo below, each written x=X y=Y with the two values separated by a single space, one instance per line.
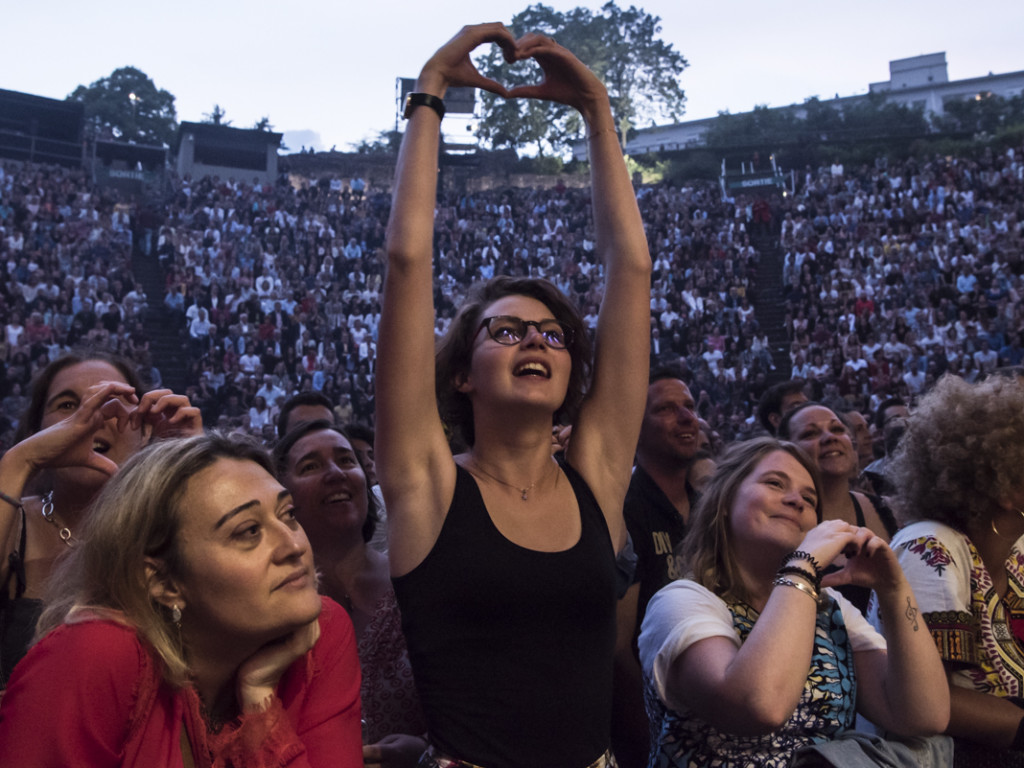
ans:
x=299 y=431
x=455 y=348
x=33 y=416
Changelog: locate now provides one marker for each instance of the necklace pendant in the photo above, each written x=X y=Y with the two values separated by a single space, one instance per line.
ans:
x=524 y=493
x=63 y=531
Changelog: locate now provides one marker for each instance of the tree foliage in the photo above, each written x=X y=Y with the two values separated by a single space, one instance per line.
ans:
x=985 y=113
x=128 y=106
x=622 y=48
x=386 y=143
x=817 y=122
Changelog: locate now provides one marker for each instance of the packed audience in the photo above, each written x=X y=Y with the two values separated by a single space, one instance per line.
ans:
x=893 y=275
x=901 y=284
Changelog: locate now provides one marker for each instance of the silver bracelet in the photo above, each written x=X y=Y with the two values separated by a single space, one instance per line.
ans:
x=781 y=581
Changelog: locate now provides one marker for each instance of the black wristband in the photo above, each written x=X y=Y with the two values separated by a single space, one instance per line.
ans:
x=801 y=555
x=414 y=100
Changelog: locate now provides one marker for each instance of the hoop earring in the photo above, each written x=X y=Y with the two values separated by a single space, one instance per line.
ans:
x=992 y=523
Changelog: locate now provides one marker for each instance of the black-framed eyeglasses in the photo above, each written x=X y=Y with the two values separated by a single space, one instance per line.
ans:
x=510 y=330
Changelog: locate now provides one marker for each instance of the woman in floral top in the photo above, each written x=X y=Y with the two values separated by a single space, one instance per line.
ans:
x=959 y=473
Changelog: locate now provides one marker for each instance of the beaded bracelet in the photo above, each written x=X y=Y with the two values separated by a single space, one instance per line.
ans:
x=779 y=581
x=796 y=570
x=799 y=554
x=16 y=503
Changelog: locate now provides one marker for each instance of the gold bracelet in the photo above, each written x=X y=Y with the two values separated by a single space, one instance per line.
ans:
x=779 y=581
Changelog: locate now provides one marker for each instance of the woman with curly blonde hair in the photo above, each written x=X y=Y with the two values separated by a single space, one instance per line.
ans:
x=959 y=472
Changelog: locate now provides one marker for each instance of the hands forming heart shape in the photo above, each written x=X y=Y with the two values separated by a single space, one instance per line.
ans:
x=73 y=440
x=566 y=79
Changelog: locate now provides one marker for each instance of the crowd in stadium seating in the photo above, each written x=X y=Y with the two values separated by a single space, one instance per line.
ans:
x=892 y=275
x=897 y=274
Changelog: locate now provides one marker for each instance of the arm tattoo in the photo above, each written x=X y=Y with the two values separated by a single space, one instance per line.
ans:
x=911 y=613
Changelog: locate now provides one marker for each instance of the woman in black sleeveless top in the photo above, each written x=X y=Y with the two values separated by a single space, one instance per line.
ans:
x=502 y=558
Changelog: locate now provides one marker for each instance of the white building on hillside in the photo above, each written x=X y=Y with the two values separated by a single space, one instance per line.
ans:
x=920 y=81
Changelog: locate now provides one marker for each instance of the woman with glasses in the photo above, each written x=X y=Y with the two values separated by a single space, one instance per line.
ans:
x=502 y=557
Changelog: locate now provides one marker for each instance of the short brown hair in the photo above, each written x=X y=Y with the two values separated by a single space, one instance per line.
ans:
x=455 y=349
x=282 y=462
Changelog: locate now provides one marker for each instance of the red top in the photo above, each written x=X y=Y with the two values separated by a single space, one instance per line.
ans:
x=92 y=694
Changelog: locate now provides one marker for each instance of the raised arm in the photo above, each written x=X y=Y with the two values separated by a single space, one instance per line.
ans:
x=607 y=429
x=414 y=463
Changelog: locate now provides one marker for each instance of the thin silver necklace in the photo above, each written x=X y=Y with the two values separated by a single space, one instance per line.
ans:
x=48 y=516
x=523 y=492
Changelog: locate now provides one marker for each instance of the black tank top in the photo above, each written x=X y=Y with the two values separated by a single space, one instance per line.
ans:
x=18 y=614
x=860 y=596
x=512 y=648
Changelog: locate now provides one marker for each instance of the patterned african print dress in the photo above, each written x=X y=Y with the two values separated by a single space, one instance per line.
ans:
x=976 y=631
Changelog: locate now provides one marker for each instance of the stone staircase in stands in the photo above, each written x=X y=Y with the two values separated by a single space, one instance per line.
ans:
x=166 y=344
x=768 y=303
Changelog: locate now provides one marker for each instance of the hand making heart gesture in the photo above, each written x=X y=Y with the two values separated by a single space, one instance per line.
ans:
x=451 y=65
x=566 y=79
x=79 y=439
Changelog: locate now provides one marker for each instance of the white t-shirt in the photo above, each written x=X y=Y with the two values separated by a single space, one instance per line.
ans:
x=684 y=613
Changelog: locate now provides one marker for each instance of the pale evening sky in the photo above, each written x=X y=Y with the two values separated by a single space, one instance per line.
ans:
x=324 y=72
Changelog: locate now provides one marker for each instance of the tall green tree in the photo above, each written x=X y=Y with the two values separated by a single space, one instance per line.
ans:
x=621 y=46
x=127 y=105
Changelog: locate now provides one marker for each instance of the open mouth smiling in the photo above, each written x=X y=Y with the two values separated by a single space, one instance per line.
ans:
x=532 y=368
